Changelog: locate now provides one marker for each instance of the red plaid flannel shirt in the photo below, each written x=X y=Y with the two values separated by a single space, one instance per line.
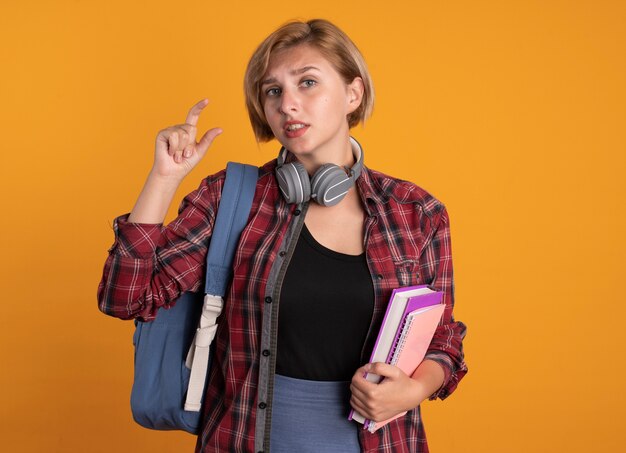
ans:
x=407 y=242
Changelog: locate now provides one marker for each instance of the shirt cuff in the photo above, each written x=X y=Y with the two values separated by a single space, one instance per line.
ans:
x=136 y=240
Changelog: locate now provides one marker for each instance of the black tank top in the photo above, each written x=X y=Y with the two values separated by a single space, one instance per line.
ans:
x=326 y=306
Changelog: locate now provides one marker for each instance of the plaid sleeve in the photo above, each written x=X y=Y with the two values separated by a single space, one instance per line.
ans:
x=150 y=265
x=446 y=347
x=135 y=240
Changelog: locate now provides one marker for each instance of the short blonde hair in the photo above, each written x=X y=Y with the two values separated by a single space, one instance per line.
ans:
x=331 y=42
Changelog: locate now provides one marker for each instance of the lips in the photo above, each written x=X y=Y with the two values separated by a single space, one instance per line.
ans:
x=295 y=129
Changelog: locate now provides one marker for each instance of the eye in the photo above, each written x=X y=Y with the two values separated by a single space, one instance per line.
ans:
x=308 y=83
x=272 y=92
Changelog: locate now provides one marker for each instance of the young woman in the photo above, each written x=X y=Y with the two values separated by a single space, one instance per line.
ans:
x=327 y=241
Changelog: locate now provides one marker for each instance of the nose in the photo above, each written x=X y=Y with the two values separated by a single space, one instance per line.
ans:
x=289 y=101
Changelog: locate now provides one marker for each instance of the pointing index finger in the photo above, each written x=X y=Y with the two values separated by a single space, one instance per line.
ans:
x=194 y=112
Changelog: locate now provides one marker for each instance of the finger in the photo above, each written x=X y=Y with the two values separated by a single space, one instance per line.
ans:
x=183 y=139
x=362 y=408
x=364 y=388
x=383 y=369
x=357 y=405
x=358 y=393
x=190 y=131
x=359 y=381
x=194 y=112
x=188 y=150
x=359 y=376
x=362 y=371
x=207 y=139
x=172 y=143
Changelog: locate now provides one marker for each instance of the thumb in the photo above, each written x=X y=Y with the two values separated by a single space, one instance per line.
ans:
x=206 y=141
x=383 y=369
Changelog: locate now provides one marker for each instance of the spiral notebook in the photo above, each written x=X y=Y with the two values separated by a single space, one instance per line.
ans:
x=416 y=333
x=409 y=324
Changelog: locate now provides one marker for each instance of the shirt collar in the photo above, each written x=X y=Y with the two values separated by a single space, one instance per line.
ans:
x=372 y=195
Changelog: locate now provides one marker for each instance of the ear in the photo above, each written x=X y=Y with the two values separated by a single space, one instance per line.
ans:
x=355 y=91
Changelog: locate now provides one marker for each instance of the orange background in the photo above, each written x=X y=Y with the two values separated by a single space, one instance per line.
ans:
x=511 y=112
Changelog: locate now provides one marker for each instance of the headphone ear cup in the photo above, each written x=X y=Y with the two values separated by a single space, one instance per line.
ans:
x=330 y=184
x=294 y=183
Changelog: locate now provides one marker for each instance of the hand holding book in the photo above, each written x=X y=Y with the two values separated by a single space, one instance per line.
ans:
x=396 y=394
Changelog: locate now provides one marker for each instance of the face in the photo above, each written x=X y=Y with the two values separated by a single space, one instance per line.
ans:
x=306 y=103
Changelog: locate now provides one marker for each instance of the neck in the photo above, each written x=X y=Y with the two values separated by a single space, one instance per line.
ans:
x=341 y=155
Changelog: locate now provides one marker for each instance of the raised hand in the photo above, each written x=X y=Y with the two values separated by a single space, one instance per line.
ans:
x=176 y=154
x=176 y=150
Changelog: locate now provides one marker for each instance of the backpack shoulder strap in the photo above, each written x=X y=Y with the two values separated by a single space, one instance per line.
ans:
x=232 y=216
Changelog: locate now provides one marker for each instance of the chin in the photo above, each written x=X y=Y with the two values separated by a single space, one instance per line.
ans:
x=296 y=146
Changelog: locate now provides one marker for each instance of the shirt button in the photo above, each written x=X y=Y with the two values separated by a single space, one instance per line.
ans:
x=282 y=253
x=262 y=405
x=266 y=352
x=268 y=300
x=379 y=276
x=297 y=212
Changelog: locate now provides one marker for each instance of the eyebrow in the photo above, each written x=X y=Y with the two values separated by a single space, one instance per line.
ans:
x=294 y=72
